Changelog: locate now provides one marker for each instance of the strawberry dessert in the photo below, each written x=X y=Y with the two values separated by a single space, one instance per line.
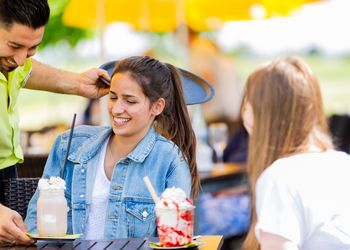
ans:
x=174 y=218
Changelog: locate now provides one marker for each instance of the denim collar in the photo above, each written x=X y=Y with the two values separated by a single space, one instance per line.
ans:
x=90 y=147
x=144 y=147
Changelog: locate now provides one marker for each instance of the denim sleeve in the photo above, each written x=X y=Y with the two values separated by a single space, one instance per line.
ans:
x=179 y=175
x=53 y=167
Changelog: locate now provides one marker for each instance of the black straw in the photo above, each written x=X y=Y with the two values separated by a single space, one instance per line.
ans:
x=68 y=146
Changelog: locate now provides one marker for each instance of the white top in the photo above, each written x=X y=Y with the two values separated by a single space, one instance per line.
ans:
x=306 y=198
x=95 y=224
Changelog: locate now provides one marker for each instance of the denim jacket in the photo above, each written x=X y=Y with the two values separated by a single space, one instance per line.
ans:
x=130 y=208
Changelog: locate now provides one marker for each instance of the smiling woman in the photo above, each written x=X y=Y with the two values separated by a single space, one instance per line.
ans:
x=150 y=134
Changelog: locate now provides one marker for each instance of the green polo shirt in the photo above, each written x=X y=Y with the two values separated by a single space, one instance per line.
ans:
x=10 y=148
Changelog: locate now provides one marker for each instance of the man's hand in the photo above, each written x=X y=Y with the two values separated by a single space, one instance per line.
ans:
x=90 y=84
x=12 y=228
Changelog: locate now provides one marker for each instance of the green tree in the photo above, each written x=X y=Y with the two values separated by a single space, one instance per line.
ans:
x=56 y=31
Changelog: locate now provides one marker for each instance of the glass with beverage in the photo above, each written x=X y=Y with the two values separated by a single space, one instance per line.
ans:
x=175 y=215
x=52 y=208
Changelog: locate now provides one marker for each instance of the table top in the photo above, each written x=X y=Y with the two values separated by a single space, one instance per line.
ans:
x=222 y=171
x=211 y=242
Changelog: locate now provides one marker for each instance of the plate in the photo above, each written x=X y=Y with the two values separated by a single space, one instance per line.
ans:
x=196 y=89
x=66 y=237
x=193 y=245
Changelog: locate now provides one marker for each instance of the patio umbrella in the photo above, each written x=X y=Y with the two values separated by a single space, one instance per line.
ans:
x=167 y=15
x=151 y=15
x=211 y=14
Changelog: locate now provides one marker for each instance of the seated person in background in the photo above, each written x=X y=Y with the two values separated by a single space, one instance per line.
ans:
x=209 y=61
x=300 y=185
x=106 y=165
x=92 y=113
x=237 y=146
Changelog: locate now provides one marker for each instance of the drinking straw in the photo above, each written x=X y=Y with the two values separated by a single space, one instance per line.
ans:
x=68 y=146
x=150 y=189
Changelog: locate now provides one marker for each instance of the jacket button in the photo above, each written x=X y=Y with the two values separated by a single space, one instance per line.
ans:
x=144 y=214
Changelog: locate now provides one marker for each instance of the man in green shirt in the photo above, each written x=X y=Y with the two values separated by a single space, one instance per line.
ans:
x=22 y=25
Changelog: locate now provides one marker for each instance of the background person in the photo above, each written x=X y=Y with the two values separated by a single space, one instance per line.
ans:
x=299 y=182
x=22 y=25
x=92 y=114
x=207 y=60
x=150 y=134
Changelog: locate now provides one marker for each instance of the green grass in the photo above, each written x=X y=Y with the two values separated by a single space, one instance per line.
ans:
x=332 y=73
x=39 y=109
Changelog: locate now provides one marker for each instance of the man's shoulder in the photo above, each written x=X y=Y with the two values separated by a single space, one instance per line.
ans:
x=165 y=144
x=21 y=74
x=166 y=149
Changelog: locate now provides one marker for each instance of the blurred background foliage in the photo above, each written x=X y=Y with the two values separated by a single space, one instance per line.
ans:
x=55 y=30
x=63 y=47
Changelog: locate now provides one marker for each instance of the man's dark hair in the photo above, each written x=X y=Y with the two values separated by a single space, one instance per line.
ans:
x=31 y=13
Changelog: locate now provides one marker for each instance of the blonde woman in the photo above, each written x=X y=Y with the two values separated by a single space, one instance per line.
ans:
x=300 y=184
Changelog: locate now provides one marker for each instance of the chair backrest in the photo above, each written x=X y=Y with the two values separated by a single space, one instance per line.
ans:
x=18 y=192
x=196 y=89
x=339 y=126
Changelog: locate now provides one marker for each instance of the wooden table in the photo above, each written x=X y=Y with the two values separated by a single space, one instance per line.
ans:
x=211 y=242
x=223 y=175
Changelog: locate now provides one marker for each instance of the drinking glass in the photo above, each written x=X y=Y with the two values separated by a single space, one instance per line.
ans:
x=218 y=138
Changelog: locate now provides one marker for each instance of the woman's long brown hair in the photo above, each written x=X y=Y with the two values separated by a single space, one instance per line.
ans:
x=288 y=119
x=162 y=80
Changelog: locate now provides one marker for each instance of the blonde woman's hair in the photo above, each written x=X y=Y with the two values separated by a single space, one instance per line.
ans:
x=288 y=119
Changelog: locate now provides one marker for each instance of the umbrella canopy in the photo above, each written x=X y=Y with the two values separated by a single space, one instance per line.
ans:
x=152 y=15
x=167 y=15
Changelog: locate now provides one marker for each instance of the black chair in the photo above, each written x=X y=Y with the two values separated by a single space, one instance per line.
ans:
x=18 y=192
x=196 y=89
x=339 y=126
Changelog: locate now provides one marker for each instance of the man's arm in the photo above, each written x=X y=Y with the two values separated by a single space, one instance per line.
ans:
x=87 y=84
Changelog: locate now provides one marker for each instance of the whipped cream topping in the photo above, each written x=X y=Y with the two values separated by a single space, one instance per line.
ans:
x=174 y=198
x=52 y=183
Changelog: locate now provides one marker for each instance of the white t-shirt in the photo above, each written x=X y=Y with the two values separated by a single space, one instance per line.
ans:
x=98 y=208
x=306 y=198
